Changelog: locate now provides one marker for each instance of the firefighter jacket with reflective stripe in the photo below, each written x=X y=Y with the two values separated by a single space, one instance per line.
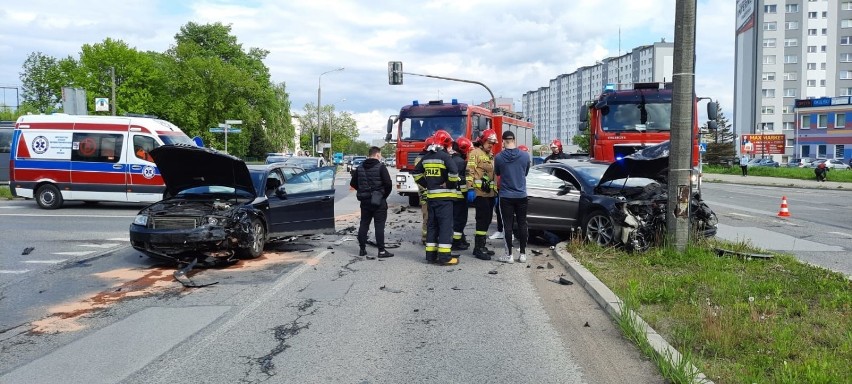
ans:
x=461 y=165
x=480 y=169
x=437 y=172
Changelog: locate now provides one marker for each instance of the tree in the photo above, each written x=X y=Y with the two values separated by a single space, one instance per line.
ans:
x=582 y=140
x=279 y=127
x=720 y=142
x=40 y=75
x=344 y=128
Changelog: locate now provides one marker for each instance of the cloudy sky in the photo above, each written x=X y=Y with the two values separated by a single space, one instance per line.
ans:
x=511 y=46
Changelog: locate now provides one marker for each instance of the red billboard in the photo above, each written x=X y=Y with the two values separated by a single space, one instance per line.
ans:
x=762 y=144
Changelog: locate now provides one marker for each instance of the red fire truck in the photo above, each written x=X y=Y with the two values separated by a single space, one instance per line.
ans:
x=621 y=122
x=416 y=122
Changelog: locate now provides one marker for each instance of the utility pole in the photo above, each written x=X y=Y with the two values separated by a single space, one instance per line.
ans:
x=683 y=101
x=112 y=76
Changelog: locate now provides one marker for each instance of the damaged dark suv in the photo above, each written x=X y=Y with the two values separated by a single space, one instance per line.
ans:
x=217 y=209
x=623 y=203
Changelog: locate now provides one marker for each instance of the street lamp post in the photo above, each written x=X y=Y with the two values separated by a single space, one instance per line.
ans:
x=319 y=105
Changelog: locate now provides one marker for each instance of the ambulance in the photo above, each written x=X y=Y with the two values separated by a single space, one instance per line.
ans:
x=59 y=157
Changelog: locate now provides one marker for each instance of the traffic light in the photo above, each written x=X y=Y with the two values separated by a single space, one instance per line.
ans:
x=394 y=72
x=316 y=141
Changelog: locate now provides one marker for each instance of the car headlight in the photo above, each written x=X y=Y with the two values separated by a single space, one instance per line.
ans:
x=141 y=220
x=400 y=178
x=214 y=220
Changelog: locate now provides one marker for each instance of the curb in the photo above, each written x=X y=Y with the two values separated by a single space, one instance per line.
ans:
x=829 y=185
x=613 y=305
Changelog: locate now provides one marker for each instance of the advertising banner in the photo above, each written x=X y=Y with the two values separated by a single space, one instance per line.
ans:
x=745 y=15
x=772 y=144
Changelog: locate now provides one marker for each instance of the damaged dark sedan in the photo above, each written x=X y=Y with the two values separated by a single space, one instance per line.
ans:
x=218 y=209
x=619 y=204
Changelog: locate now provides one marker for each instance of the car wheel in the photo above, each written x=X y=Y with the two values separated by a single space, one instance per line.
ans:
x=49 y=197
x=257 y=239
x=414 y=200
x=598 y=229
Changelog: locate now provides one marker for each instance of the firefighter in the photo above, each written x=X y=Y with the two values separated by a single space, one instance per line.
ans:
x=480 y=177
x=437 y=172
x=556 y=148
x=459 y=153
x=424 y=209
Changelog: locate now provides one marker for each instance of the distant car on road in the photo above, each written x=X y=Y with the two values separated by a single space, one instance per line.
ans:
x=356 y=161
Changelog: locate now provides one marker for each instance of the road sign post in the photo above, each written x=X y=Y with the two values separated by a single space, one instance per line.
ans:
x=226 y=128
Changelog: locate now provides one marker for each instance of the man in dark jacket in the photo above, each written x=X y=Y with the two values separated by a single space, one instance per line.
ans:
x=372 y=176
x=512 y=165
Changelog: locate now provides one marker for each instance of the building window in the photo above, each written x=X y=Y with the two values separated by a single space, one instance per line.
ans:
x=812 y=49
x=806 y=151
x=791 y=59
x=768 y=59
x=767 y=110
x=822 y=66
x=822 y=83
x=789 y=126
x=770 y=26
x=846 y=40
x=824 y=14
x=846 y=75
x=846 y=23
x=767 y=127
x=813 y=15
x=823 y=48
x=789 y=142
x=805 y=122
x=846 y=6
x=789 y=92
x=791 y=25
x=768 y=43
x=787 y=109
x=812 y=66
x=840 y=120
x=846 y=91
x=812 y=32
x=768 y=93
x=770 y=8
x=838 y=151
x=792 y=42
x=812 y=83
x=768 y=76
x=822 y=121
x=791 y=76
x=846 y=57
x=822 y=150
x=791 y=8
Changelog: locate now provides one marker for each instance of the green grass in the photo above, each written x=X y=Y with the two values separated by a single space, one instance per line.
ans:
x=841 y=175
x=737 y=320
x=5 y=193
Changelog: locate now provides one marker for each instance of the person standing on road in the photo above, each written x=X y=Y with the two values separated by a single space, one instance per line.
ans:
x=424 y=205
x=556 y=149
x=744 y=165
x=460 y=149
x=512 y=166
x=372 y=176
x=480 y=177
x=437 y=172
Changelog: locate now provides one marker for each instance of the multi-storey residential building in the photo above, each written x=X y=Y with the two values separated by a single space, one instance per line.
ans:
x=788 y=50
x=554 y=109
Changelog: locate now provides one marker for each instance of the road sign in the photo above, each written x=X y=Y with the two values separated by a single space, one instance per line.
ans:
x=234 y=122
x=222 y=130
x=217 y=130
x=702 y=147
x=326 y=145
x=234 y=130
x=101 y=104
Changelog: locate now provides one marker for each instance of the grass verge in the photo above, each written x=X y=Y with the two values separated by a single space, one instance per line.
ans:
x=5 y=193
x=738 y=320
x=839 y=175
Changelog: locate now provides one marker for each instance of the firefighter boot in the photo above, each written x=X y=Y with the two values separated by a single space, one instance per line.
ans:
x=459 y=245
x=464 y=242
x=431 y=257
x=479 y=250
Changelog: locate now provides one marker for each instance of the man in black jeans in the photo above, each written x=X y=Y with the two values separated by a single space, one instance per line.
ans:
x=372 y=176
x=512 y=165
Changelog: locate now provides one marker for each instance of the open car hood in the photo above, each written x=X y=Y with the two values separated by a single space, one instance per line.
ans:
x=650 y=163
x=186 y=166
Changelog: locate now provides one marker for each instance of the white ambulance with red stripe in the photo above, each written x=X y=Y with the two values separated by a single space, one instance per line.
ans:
x=59 y=157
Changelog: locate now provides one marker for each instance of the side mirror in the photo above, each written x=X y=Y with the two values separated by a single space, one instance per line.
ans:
x=391 y=120
x=712 y=126
x=584 y=114
x=388 y=138
x=564 y=189
x=712 y=109
x=281 y=192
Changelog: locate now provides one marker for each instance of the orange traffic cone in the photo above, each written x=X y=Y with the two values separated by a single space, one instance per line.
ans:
x=784 y=212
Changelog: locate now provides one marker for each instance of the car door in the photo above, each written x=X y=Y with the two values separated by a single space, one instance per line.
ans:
x=548 y=207
x=305 y=202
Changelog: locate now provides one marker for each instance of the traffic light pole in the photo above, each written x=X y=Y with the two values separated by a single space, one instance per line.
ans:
x=395 y=78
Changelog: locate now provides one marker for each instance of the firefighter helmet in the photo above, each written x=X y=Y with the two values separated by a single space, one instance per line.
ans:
x=523 y=148
x=488 y=135
x=464 y=144
x=556 y=144
x=442 y=138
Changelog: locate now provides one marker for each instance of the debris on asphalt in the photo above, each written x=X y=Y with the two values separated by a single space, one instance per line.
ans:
x=535 y=252
x=338 y=242
x=347 y=230
x=549 y=266
x=330 y=247
x=539 y=267
x=587 y=324
x=181 y=274
x=565 y=281
x=724 y=252
x=528 y=266
x=388 y=244
x=492 y=272
x=400 y=210
x=391 y=290
x=27 y=250
x=456 y=288
x=416 y=310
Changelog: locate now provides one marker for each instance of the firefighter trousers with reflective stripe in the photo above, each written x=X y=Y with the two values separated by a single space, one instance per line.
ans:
x=459 y=217
x=484 y=214
x=439 y=232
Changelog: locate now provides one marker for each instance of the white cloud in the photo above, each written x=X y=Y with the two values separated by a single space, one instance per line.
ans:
x=511 y=46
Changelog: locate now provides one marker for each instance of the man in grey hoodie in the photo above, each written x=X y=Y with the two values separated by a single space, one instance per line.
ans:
x=511 y=165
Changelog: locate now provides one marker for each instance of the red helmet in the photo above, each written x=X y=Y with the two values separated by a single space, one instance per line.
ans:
x=556 y=143
x=464 y=144
x=488 y=135
x=442 y=138
x=523 y=148
x=429 y=141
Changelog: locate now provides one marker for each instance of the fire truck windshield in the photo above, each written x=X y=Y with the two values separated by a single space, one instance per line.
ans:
x=617 y=117
x=419 y=128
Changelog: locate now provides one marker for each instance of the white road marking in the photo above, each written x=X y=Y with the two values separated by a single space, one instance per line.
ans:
x=9 y=207
x=78 y=253
x=57 y=261
x=119 y=239
x=841 y=233
x=99 y=245
x=738 y=214
x=16 y=272
x=86 y=216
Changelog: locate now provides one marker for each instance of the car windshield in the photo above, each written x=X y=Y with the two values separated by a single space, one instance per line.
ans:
x=419 y=128
x=590 y=173
x=213 y=190
x=620 y=117
x=176 y=139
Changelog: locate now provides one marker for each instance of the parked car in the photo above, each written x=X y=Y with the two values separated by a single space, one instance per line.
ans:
x=799 y=162
x=831 y=164
x=356 y=161
x=815 y=163
x=768 y=162
x=619 y=204
x=298 y=161
x=217 y=209
x=391 y=162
